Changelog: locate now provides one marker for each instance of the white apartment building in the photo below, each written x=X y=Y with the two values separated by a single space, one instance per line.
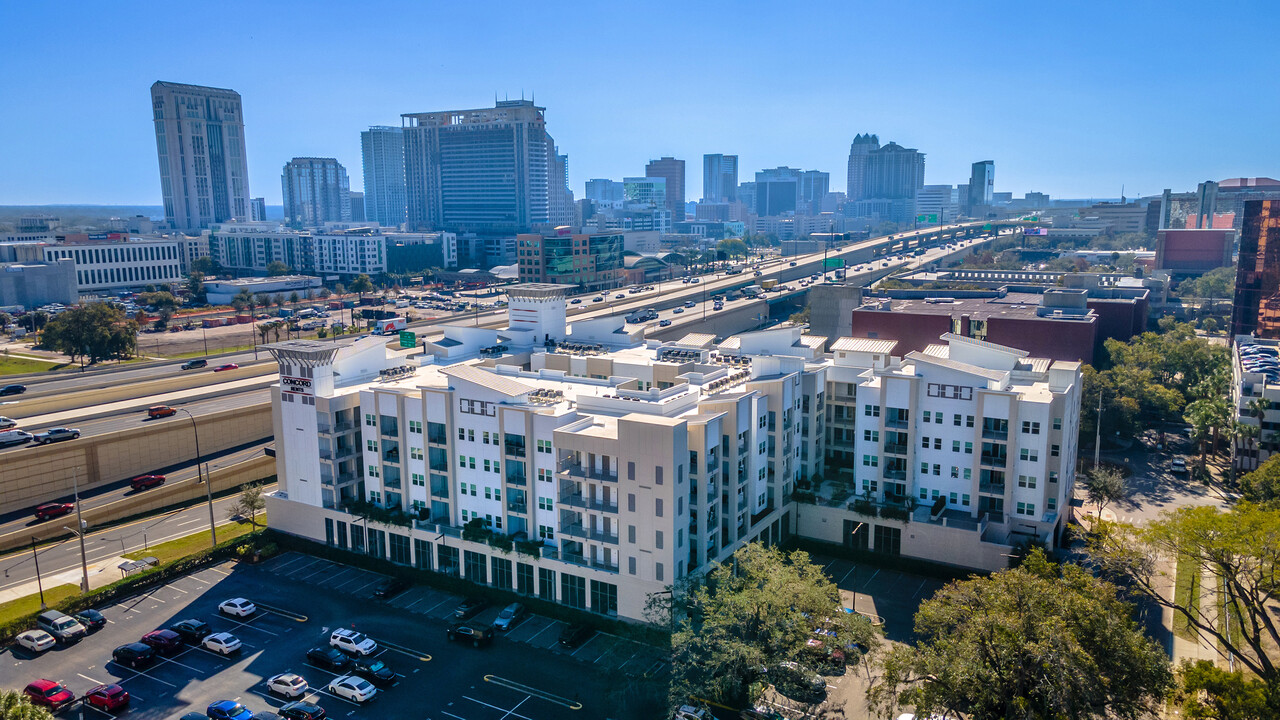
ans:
x=247 y=248
x=1255 y=393
x=121 y=264
x=350 y=252
x=602 y=467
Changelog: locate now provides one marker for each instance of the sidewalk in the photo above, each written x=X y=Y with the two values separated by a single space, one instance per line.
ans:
x=101 y=573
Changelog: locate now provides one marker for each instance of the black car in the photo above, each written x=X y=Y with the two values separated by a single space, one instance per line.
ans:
x=302 y=710
x=194 y=716
x=477 y=636
x=575 y=635
x=134 y=654
x=91 y=619
x=391 y=587
x=192 y=630
x=12 y=390
x=375 y=671
x=266 y=715
x=469 y=608
x=328 y=658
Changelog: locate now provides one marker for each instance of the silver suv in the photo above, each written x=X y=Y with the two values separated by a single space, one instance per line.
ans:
x=61 y=626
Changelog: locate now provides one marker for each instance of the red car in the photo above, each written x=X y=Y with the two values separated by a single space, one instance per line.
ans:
x=53 y=510
x=142 y=482
x=107 y=697
x=228 y=366
x=49 y=694
x=163 y=641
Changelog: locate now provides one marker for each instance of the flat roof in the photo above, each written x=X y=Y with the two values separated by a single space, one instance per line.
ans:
x=871 y=345
x=1012 y=305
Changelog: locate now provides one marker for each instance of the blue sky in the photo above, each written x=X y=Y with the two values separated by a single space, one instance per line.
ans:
x=1074 y=99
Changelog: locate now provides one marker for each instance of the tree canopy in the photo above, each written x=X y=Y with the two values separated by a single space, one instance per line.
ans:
x=361 y=285
x=15 y=706
x=98 y=331
x=750 y=615
x=275 y=268
x=206 y=266
x=1038 y=641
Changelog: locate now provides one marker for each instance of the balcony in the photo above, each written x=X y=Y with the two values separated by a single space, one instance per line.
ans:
x=991 y=488
x=897 y=422
x=995 y=434
x=895 y=449
x=993 y=460
x=573 y=499
x=577 y=470
x=578 y=531
x=514 y=449
x=341 y=453
x=894 y=474
x=330 y=429
x=517 y=507
x=438 y=438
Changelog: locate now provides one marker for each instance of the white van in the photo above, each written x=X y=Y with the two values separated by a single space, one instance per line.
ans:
x=14 y=437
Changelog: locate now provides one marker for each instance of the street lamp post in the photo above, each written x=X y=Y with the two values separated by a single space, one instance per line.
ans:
x=84 y=562
x=39 y=585
x=208 y=486
x=852 y=534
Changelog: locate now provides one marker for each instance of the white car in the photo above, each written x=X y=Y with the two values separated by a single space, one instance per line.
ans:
x=352 y=642
x=288 y=684
x=36 y=640
x=355 y=689
x=238 y=607
x=7 y=423
x=224 y=643
x=1178 y=465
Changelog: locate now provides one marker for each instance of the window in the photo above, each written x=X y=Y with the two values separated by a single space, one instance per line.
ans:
x=485 y=437
x=544 y=446
x=547 y=584
x=462 y=434
x=657 y=572
x=871 y=460
x=501 y=568
x=486 y=466
x=371 y=445
x=422 y=554
x=924 y=494
x=924 y=468
x=937 y=469
x=1029 y=455
x=1053 y=476
x=544 y=503
x=871 y=435
x=1051 y=504
x=955 y=471
x=418 y=480
x=964 y=500
x=488 y=491
x=631 y=565
x=955 y=446
x=415 y=427
x=871 y=410
x=951 y=498
x=1030 y=427
x=373 y=471
x=524 y=578
x=870 y=485
x=370 y=420
x=968 y=421
x=924 y=443
x=604 y=598
x=415 y=453
x=888 y=540
x=471 y=462
x=631 y=534
x=462 y=461
x=657 y=539
x=631 y=502
x=573 y=591
x=927 y=415
x=1027 y=481
x=399 y=549
x=955 y=419
x=544 y=474
x=968 y=448
x=968 y=473
x=1026 y=509
x=474 y=567
x=937 y=443
x=1055 y=451
x=657 y=507
x=1057 y=423
x=657 y=474
x=546 y=533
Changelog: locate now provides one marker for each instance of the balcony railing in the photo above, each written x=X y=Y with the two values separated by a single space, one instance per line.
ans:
x=518 y=480
x=574 y=469
x=891 y=474
x=438 y=438
x=991 y=488
x=895 y=448
x=328 y=429
x=341 y=453
x=994 y=434
x=515 y=450
x=578 y=531
x=993 y=460
x=517 y=507
x=587 y=503
x=897 y=422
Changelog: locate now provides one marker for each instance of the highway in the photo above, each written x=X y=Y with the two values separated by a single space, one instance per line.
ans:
x=104 y=545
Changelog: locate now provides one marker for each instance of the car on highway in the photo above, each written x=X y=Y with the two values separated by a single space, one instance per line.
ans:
x=143 y=482
x=53 y=435
x=223 y=643
x=7 y=423
x=12 y=390
x=193 y=364
x=576 y=301
x=352 y=642
x=193 y=631
x=664 y=322
x=597 y=299
x=49 y=694
x=302 y=710
x=466 y=632
x=36 y=641
x=328 y=658
x=160 y=411
x=574 y=635
x=793 y=264
x=14 y=437
x=290 y=685
x=469 y=608
x=375 y=671
x=238 y=607
x=135 y=655
x=353 y=688
x=228 y=710
x=91 y=619
x=52 y=510
x=677 y=311
x=164 y=642
x=510 y=616
x=107 y=697
x=228 y=366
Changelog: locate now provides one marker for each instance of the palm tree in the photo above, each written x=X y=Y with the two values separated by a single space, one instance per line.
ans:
x=1258 y=408
x=265 y=329
x=15 y=706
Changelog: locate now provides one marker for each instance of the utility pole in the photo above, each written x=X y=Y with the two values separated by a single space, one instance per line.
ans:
x=39 y=585
x=84 y=562
x=208 y=486
x=1097 y=442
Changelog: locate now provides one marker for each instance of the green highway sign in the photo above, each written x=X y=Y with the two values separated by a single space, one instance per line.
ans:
x=833 y=263
x=927 y=218
x=408 y=339
x=1034 y=218
x=987 y=226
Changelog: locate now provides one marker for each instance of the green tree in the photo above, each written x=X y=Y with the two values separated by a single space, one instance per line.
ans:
x=731 y=248
x=195 y=286
x=754 y=612
x=275 y=268
x=1239 y=549
x=294 y=297
x=1262 y=485
x=159 y=300
x=1217 y=283
x=206 y=266
x=15 y=706
x=98 y=331
x=1039 y=641
x=361 y=285
x=1105 y=486
x=249 y=504
x=1207 y=691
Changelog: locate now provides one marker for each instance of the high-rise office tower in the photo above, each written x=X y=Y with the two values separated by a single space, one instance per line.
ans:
x=1256 y=308
x=488 y=170
x=777 y=191
x=382 y=149
x=859 y=153
x=357 y=206
x=894 y=172
x=560 y=210
x=316 y=191
x=257 y=209
x=719 y=178
x=814 y=185
x=651 y=191
x=982 y=184
x=672 y=170
x=204 y=174
x=602 y=190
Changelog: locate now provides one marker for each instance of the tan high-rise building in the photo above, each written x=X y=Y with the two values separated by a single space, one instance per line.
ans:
x=673 y=171
x=204 y=173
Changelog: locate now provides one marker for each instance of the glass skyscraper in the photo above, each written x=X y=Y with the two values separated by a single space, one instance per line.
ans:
x=316 y=191
x=382 y=149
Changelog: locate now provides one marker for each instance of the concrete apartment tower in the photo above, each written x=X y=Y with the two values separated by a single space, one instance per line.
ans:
x=672 y=170
x=315 y=191
x=204 y=173
x=382 y=148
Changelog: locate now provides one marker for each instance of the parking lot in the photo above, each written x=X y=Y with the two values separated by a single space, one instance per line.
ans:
x=524 y=675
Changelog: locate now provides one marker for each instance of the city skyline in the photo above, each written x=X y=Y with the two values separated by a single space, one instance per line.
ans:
x=1111 y=81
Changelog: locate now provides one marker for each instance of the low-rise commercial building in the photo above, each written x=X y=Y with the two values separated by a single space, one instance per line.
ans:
x=221 y=292
x=116 y=261
x=1193 y=252
x=591 y=261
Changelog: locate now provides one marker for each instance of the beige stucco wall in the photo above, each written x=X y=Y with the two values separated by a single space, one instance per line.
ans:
x=34 y=475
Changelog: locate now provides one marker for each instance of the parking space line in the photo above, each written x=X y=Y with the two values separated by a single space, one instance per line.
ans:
x=873 y=577
x=588 y=642
x=535 y=692
x=95 y=682
x=252 y=627
x=446 y=712
x=495 y=707
x=337 y=697
x=175 y=662
x=344 y=582
x=415 y=602
x=323 y=567
x=277 y=567
x=302 y=567
x=417 y=654
x=846 y=575
x=140 y=673
x=433 y=607
x=362 y=587
x=513 y=710
x=917 y=592
x=544 y=629
x=171 y=586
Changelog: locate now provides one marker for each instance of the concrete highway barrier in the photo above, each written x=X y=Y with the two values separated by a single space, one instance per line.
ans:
x=167 y=495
